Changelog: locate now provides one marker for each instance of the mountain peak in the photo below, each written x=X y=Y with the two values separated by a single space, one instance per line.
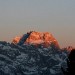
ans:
x=36 y=38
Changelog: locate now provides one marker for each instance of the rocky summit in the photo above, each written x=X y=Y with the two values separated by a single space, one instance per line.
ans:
x=36 y=38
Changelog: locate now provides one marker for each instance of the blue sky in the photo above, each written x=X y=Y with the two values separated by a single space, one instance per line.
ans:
x=56 y=16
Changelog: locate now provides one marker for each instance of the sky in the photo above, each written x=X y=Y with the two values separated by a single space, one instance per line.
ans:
x=17 y=17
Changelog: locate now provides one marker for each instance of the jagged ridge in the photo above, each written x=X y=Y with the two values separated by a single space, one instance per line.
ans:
x=29 y=60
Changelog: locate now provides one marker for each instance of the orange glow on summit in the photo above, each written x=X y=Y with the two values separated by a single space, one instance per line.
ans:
x=36 y=38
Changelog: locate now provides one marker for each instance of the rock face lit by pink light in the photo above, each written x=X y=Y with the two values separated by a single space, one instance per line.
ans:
x=16 y=39
x=36 y=38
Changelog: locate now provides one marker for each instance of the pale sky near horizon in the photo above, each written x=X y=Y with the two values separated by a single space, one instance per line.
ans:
x=56 y=16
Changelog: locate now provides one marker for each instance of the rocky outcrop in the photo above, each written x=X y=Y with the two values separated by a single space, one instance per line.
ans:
x=16 y=39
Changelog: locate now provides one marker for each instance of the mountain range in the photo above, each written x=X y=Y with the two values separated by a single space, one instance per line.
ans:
x=33 y=53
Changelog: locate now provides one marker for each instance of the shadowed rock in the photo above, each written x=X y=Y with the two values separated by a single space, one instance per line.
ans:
x=29 y=60
x=70 y=70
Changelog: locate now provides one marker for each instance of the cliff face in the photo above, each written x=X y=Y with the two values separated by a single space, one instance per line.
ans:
x=36 y=38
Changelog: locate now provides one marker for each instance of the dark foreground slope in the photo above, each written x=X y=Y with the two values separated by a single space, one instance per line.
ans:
x=29 y=60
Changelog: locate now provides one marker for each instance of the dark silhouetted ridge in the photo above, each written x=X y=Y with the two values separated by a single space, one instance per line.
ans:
x=24 y=38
